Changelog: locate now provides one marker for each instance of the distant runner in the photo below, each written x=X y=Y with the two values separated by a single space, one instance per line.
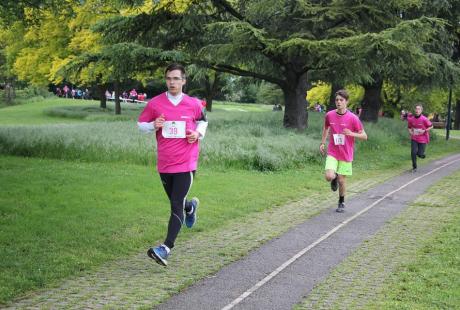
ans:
x=419 y=127
x=178 y=121
x=344 y=127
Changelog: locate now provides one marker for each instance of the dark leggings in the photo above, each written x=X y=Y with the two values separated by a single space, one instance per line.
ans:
x=177 y=186
x=417 y=149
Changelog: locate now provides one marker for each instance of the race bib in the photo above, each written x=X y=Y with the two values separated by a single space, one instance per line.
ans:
x=173 y=129
x=339 y=139
x=418 y=132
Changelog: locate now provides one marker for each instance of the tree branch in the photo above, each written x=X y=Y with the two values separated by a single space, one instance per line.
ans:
x=223 y=4
x=241 y=72
x=228 y=8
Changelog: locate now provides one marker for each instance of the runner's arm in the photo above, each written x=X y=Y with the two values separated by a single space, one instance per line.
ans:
x=202 y=124
x=146 y=127
x=361 y=135
x=324 y=135
x=323 y=139
x=409 y=128
x=146 y=120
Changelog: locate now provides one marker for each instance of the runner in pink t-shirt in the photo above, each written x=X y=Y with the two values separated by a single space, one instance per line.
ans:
x=179 y=121
x=419 y=127
x=342 y=127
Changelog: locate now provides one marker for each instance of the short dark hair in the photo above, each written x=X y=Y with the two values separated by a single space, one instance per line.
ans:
x=342 y=93
x=175 y=66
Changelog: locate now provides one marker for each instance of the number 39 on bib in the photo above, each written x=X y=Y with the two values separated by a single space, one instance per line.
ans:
x=339 y=139
x=173 y=130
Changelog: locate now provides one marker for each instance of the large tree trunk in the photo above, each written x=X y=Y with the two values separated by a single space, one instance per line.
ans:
x=372 y=101
x=295 y=93
x=117 y=98
x=334 y=88
x=102 y=98
x=209 y=99
x=211 y=89
x=457 y=115
x=208 y=92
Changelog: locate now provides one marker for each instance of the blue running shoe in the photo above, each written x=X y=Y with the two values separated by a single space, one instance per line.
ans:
x=159 y=254
x=190 y=217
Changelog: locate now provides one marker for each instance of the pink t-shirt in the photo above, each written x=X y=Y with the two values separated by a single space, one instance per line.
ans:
x=175 y=154
x=419 y=124
x=340 y=146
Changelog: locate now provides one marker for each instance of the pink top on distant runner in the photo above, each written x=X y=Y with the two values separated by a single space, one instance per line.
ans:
x=419 y=124
x=340 y=146
x=174 y=154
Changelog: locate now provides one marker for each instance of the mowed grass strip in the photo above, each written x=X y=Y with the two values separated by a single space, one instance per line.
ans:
x=56 y=110
x=411 y=263
x=33 y=113
x=432 y=279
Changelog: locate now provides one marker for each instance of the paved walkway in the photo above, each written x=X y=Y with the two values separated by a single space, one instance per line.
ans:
x=279 y=274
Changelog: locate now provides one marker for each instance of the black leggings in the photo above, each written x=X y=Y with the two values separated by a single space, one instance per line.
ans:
x=417 y=149
x=177 y=186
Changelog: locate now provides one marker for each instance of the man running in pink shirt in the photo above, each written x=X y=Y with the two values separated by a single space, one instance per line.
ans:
x=342 y=127
x=419 y=127
x=179 y=122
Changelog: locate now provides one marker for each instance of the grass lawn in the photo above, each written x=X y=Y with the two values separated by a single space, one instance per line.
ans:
x=78 y=200
x=241 y=107
x=432 y=280
x=61 y=110
x=455 y=134
x=32 y=113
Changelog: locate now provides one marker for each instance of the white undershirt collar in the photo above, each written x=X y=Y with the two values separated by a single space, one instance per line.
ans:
x=175 y=99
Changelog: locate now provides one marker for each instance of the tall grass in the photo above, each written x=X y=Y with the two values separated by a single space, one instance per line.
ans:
x=239 y=140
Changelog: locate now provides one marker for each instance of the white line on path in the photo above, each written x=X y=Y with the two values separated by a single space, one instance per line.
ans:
x=321 y=239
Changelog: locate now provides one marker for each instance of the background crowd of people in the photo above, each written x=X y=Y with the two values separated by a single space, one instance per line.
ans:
x=75 y=93
x=132 y=95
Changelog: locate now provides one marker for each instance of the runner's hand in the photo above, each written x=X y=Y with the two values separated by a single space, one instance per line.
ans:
x=322 y=149
x=348 y=132
x=159 y=122
x=192 y=136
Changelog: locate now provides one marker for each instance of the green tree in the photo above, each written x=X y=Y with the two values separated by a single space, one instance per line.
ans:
x=280 y=41
x=432 y=69
x=84 y=42
x=210 y=82
x=319 y=93
x=14 y=10
x=269 y=94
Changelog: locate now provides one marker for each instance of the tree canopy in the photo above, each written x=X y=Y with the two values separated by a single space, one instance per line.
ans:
x=288 y=43
x=280 y=41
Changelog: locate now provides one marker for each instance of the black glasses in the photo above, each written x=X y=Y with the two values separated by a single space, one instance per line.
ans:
x=174 y=79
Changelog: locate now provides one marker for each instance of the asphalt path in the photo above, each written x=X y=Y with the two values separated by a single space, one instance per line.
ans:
x=283 y=271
